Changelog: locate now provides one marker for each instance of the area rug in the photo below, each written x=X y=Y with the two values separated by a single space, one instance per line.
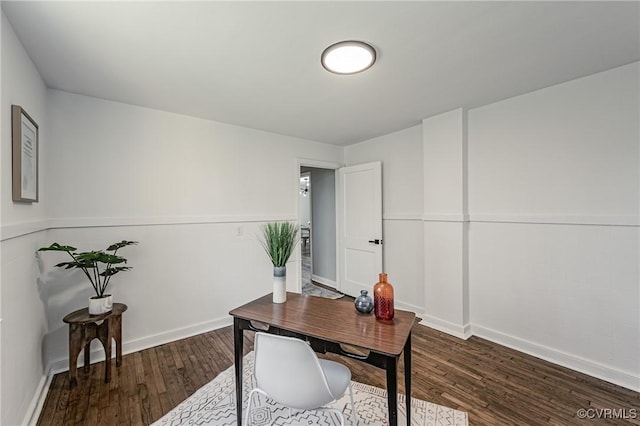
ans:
x=215 y=404
x=315 y=290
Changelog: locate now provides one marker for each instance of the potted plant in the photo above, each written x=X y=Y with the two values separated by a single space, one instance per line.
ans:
x=279 y=239
x=98 y=266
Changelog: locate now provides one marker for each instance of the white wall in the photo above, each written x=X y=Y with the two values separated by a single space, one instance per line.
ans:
x=530 y=218
x=554 y=191
x=192 y=191
x=552 y=243
x=402 y=200
x=151 y=165
x=445 y=223
x=21 y=85
x=23 y=325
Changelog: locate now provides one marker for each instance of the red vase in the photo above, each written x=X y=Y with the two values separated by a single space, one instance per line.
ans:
x=383 y=299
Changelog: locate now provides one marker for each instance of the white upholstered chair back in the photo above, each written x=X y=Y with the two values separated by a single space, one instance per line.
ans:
x=289 y=372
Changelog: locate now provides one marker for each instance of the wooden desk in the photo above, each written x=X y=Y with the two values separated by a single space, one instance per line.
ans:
x=326 y=324
x=83 y=328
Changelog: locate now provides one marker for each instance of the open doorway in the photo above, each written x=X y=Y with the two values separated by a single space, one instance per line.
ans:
x=317 y=218
x=304 y=219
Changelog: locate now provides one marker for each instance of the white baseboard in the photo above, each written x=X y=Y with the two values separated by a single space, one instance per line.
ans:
x=457 y=330
x=573 y=362
x=324 y=281
x=97 y=355
x=591 y=368
x=177 y=334
x=418 y=310
x=35 y=407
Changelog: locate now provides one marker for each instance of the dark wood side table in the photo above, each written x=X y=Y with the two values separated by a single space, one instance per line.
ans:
x=83 y=328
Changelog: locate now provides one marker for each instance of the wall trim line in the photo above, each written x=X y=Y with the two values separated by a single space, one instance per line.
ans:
x=445 y=217
x=403 y=216
x=559 y=219
x=21 y=229
x=8 y=232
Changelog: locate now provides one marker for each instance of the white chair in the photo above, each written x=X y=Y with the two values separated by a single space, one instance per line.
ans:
x=288 y=372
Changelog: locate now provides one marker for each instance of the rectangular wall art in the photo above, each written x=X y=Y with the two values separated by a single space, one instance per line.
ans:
x=25 y=155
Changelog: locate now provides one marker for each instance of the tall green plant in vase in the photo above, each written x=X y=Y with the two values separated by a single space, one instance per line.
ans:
x=279 y=240
x=98 y=266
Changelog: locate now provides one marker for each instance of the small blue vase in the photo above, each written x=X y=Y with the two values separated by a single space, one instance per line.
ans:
x=364 y=303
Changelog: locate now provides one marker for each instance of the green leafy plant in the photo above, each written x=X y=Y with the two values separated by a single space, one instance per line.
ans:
x=279 y=239
x=98 y=265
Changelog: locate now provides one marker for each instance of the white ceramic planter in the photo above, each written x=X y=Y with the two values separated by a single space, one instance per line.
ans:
x=100 y=305
x=279 y=284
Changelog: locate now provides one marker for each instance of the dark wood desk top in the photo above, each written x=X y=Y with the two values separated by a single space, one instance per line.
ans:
x=331 y=320
x=81 y=316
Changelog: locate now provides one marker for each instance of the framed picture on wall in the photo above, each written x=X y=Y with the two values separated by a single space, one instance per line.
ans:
x=25 y=155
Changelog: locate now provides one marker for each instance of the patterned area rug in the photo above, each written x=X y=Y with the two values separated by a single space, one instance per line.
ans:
x=315 y=290
x=308 y=286
x=214 y=404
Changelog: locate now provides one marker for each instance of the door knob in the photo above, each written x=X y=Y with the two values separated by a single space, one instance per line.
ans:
x=376 y=241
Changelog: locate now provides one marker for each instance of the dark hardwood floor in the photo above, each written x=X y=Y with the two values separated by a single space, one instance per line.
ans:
x=494 y=384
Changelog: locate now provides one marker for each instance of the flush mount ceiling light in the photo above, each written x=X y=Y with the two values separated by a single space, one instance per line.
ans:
x=348 y=57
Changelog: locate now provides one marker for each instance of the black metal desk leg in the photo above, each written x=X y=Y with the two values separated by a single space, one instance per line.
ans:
x=407 y=376
x=392 y=390
x=237 y=354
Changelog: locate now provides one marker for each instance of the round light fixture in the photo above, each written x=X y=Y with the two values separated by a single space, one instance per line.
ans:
x=348 y=57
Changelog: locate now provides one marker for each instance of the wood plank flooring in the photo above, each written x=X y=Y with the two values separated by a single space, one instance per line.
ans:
x=494 y=384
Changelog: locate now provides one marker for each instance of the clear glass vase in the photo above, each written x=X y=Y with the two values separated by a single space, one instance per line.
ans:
x=364 y=302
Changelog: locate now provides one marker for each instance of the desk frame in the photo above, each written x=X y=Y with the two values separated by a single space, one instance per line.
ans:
x=243 y=318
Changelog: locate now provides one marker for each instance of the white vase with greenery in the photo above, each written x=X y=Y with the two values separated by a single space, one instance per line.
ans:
x=279 y=239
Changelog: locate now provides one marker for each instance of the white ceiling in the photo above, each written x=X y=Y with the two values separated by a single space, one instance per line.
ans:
x=257 y=64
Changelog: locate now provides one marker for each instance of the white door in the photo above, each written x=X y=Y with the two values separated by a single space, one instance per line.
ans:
x=359 y=227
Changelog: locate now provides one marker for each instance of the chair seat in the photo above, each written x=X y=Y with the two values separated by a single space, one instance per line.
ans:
x=288 y=371
x=338 y=377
